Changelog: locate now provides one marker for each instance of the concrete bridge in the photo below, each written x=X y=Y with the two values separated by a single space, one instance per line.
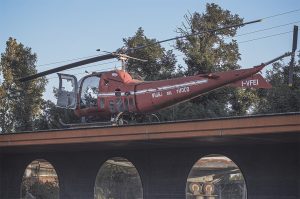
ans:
x=265 y=148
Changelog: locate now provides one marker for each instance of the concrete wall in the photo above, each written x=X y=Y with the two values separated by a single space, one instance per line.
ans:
x=298 y=169
x=270 y=171
x=1 y=174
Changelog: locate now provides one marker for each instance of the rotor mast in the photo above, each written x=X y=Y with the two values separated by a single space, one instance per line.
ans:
x=124 y=58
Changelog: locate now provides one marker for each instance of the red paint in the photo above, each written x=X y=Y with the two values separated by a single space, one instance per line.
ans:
x=119 y=92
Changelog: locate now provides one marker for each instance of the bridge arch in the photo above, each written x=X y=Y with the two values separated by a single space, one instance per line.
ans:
x=118 y=178
x=40 y=180
x=215 y=176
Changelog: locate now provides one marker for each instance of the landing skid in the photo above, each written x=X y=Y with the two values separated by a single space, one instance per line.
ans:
x=86 y=124
x=124 y=118
x=120 y=120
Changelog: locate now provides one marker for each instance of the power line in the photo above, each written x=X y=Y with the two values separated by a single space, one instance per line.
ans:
x=89 y=67
x=280 y=14
x=250 y=40
x=74 y=59
x=271 y=16
x=265 y=37
x=261 y=30
x=178 y=55
x=92 y=65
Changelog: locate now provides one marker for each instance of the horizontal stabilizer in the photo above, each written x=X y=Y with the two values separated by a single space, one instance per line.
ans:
x=255 y=81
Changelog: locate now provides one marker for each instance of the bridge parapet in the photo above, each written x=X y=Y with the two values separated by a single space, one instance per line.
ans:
x=225 y=128
x=265 y=148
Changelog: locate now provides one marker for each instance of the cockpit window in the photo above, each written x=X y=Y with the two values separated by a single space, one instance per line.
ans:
x=89 y=91
x=68 y=84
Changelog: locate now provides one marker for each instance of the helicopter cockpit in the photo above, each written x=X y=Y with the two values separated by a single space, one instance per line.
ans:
x=88 y=91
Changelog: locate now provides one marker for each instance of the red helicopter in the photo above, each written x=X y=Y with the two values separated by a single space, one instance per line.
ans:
x=116 y=95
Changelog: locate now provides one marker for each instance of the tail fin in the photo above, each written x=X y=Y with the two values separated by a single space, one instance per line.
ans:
x=255 y=81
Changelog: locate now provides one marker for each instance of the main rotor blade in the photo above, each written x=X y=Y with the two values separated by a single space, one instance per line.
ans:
x=114 y=55
x=198 y=33
x=69 y=66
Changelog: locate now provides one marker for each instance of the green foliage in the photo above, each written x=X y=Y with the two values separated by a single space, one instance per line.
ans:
x=204 y=53
x=160 y=63
x=242 y=101
x=118 y=182
x=281 y=98
x=212 y=52
x=19 y=102
x=51 y=115
x=39 y=190
x=189 y=110
x=209 y=52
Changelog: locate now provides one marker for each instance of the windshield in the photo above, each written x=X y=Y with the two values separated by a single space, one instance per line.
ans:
x=89 y=91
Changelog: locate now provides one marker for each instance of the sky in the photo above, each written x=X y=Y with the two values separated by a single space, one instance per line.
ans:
x=60 y=30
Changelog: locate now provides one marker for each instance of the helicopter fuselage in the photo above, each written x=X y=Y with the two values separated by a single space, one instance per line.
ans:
x=109 y=93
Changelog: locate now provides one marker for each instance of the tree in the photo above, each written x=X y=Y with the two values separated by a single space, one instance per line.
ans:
x=34 y=188
x=161 y=64
x=50 y=116
x=5 y=118
x=281 y=98
x=212 y=52
x=205 y=53
x=209 y=52
x=19 y=101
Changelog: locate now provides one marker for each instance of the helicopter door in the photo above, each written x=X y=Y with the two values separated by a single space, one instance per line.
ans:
x=66 y=96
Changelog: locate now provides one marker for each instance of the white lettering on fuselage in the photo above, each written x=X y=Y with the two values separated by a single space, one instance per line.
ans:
x=249 y=83
x=160 y=91
x=169 y=93
x=157 y=94
x=185 y=89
